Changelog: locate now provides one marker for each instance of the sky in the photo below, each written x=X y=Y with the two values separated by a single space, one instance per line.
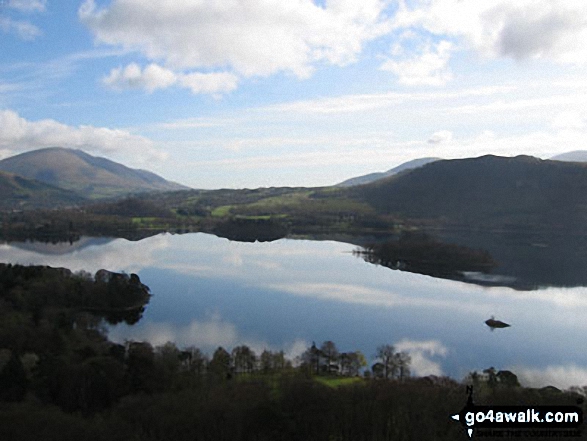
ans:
x=261 y=93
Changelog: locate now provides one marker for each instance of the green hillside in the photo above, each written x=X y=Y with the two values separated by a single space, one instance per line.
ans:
x=89 y=176
x=18 y=193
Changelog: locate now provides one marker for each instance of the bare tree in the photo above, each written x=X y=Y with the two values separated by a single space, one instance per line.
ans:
x=266 y=361
x=402 y=362
x=386 y=353
x=311 y=357
x=330 y=353
x=244 y=359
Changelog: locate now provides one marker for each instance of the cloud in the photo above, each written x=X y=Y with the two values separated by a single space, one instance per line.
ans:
x=28 y=5
x=191 y=123
x=19 y=134
x=25 y=30
x=219 y=82
x=562 y=377
x=155 y=77
x=569 y=121
x=360 y=103
x=421 y=352
x=250 y=38
x=151 y=78
x=357 y=294
x=440 y=137
x=428 y=67
x=525 y=29
x=90 y=254
x=206 y=334
x=22 y=28
x=185 y=40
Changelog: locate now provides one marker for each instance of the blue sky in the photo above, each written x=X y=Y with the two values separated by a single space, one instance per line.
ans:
x=249 y=93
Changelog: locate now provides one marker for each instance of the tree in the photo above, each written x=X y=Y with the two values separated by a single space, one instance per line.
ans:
x=378 y=370
x=507 y=379
x=244 y=359
x=196 y=361
x=386 y=353
x=395 y=364
x=311 y=358
x=168 y=360
x=13 y=380
x=266 y=361
x=220 y=364
x=141 y=367
x=279 y=361
x=491 y=376
x=352 y=362
x=402 y=362
x=330 y=353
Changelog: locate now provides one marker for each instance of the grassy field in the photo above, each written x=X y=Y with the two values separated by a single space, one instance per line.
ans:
x=222 y=211
x=335 y=382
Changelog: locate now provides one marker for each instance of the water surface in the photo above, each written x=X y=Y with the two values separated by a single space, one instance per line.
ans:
x=212 y=292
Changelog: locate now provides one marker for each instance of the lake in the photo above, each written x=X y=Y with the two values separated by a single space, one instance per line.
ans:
x=210 y=292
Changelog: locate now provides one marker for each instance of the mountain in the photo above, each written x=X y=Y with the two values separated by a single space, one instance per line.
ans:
x=489 y=190
x=90 y=176
x=20 y=193
x=371 y=177
x=575 y=156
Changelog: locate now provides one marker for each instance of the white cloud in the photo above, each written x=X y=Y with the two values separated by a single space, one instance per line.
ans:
x=440 y=137
x=428 y=67
x=525 y=29
x=219 y=82
x=151 y=78
x=19 y=134
x=191 y=123
x=25 y=30
x=569 y=121
x=28 y=5
x=421 y=352
x=361 y=103
x=155 y=77
x=562 y=377
x=263 y=37
x=251 y=38
x=206 y=334
x=356 y=294
x=115 y=255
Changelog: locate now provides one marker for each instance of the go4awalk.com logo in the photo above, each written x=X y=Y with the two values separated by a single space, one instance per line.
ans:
x=517 y=421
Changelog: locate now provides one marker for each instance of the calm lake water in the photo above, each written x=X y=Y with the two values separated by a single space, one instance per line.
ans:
x=212 y=292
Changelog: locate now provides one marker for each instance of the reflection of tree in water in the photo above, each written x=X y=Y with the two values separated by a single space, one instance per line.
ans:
x=529 y=259
x=119 y=297
x=250 y=230
x=48 y=293
x=420 y=253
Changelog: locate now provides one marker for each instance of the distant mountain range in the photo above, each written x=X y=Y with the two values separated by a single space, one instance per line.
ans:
x=371 y=177
x=489 y=190
x=85 y=175
x=575 y=156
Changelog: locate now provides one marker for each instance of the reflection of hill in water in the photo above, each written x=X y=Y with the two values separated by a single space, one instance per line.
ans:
x=61 y=248
x=524 y=260
x=422 y=254
x=527 y=260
